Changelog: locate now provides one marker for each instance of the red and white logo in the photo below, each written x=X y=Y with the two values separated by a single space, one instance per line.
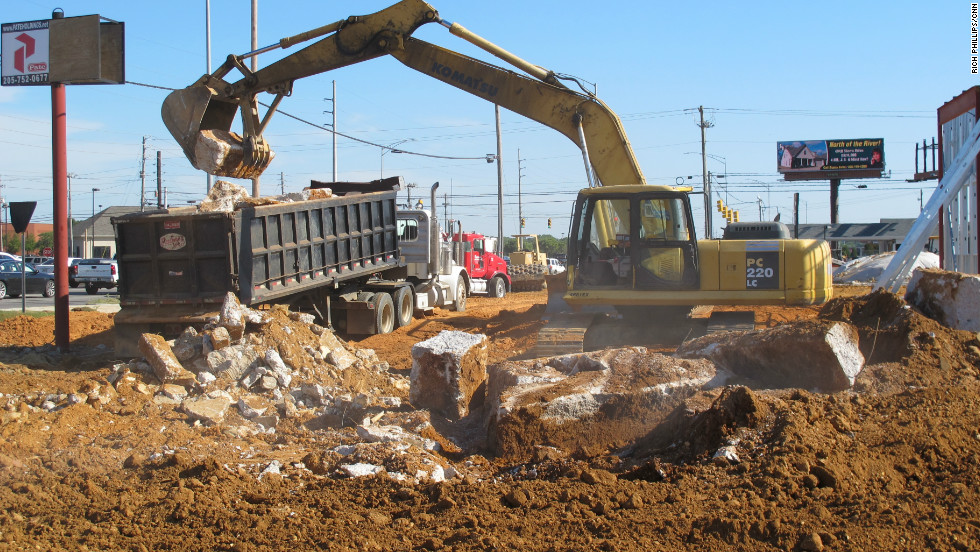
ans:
x=27 y=50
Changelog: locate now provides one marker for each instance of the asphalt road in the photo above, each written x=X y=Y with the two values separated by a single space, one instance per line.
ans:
x=76 y=298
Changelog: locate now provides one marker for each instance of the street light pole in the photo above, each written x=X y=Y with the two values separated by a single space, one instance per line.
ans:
x=92 y=226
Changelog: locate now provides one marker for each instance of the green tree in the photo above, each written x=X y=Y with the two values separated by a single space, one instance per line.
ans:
x=547 y=243
x=46 y=239
x=11 y=243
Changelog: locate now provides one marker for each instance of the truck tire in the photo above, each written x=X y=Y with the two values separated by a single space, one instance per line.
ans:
x=384 y=312
x=459 y=302
x=404 y=306
x=497 y=287
x=91 y=289
x=48 y=288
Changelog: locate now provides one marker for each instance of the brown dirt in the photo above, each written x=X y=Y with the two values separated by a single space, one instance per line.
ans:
x=891 y=465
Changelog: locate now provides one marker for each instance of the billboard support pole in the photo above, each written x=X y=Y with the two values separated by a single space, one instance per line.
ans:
x=59 y=168
x=834 y=194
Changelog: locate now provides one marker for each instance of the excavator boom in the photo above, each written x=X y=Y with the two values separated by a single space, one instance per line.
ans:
x=200 y=117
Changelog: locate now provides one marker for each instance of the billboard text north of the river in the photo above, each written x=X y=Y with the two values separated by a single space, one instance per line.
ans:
x=866 y=155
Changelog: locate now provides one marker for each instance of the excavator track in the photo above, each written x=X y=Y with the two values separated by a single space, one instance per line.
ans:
x=564 y=334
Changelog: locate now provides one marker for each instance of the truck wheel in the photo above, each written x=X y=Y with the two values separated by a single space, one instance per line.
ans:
x=49 y=288
x=497 y=287
x=404 y=306
x=91 y=289
x=459 y=304
x=384 y=312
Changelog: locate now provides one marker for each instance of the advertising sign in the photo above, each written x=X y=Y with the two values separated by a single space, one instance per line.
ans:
x=24 y=49
x=821 y=156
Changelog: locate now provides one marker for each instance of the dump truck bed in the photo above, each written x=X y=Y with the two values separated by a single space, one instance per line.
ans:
x=260 y=253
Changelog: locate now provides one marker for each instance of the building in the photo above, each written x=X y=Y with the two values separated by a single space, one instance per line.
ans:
x=95 y=237
x=852 y=240
x=34 y=229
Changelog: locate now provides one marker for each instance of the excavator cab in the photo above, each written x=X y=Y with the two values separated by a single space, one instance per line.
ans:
x=633 y=237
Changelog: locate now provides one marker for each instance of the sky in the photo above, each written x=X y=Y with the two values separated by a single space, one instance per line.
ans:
x=763 y=72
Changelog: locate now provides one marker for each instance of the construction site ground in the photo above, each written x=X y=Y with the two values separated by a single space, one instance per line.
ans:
x=892 y=464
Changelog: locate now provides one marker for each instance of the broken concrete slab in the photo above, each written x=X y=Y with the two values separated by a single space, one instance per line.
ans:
x=591 y=401
x=232 y=316
x=816 y=355
x=209 y=410
x=232 y=362
x=950 y=298
x=449 y=373
x=162 y=360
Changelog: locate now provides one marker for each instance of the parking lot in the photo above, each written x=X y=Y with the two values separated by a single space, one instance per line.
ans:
x=104 y=299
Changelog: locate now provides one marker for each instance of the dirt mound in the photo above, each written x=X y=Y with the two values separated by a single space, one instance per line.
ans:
x=891 y=464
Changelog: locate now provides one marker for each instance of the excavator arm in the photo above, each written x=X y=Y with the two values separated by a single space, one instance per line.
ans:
x=200 y=117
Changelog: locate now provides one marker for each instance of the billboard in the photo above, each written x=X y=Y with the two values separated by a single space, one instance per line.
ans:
x=822 y=157
x=24 y=48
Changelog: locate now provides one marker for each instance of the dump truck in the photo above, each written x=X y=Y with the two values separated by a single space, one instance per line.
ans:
x=353 y=259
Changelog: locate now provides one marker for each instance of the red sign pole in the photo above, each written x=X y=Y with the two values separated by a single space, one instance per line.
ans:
x=59 y=158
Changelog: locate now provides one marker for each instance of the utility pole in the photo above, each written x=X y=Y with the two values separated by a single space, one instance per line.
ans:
x=500 y=184
x=255 y=67
x=71 y=224
x=207 y=38
x=142 y=180
x=333 y=130
x=704 y=175
x=282 y=183
x=159 y=180
x=520 y=207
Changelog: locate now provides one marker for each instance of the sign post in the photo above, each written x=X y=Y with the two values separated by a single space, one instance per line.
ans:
x=20 y=218
x=59 y=51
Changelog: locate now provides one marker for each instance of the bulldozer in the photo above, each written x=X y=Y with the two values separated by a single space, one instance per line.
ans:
x=632 y=247
x=528 y=267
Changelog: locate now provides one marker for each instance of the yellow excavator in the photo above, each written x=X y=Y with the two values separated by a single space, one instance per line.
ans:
x=632 y=246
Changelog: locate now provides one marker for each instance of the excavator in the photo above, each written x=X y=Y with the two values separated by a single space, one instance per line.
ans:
x=632 y=246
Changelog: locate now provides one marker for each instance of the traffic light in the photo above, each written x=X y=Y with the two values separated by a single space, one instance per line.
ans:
x=721 y=206
x=549 y=223
x=736 y=216
x=523 y=222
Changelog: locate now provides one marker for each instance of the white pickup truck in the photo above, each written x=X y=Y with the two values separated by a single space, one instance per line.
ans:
x=96 y=274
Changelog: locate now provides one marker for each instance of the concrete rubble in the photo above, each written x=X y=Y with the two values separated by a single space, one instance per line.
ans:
x=950 y=298
x=449 y=372
x=822 y=356
x=226 y=197
x=572 y=402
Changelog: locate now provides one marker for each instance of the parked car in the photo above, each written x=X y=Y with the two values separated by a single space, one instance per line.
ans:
x=555 y=266
x=37 y=260
x=48 y=268
x=37 y=282
x=4 y=256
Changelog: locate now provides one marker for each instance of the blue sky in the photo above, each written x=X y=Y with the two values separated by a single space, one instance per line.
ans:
x=764 y=72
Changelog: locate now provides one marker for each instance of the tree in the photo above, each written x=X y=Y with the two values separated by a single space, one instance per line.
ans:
x=11 y=242
x=548 y=244
x=46 y=239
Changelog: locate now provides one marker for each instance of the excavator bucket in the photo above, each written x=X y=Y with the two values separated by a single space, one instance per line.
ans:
x=201 y=124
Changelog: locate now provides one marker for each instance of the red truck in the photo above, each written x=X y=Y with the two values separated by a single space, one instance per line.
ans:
x=488 y=272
